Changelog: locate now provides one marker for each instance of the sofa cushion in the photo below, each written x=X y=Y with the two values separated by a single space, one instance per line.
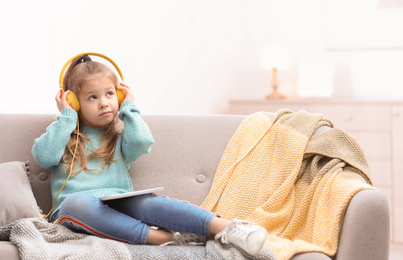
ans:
x=16 y=198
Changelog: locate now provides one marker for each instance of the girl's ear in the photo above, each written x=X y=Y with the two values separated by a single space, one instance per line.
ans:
x=120 y=95
x=73 y=101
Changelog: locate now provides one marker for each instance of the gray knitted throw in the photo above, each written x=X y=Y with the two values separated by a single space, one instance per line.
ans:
x=37 y=239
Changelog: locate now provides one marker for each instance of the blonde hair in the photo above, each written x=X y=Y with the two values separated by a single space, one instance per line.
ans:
x=79 y=72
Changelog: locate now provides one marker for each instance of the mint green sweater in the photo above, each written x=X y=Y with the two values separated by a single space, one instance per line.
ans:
x=49 y=148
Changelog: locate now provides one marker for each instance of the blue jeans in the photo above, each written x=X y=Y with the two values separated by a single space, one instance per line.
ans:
x=129 y=219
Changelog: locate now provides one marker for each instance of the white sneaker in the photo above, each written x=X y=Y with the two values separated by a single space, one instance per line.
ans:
x=248 y=236
x=186 y=239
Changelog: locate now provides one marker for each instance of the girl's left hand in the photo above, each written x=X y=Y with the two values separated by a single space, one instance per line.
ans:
x=127 y=90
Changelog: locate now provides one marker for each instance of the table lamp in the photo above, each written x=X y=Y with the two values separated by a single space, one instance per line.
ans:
x=273 y=58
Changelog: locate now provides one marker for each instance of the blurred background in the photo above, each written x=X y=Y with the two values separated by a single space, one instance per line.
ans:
x=192 y=57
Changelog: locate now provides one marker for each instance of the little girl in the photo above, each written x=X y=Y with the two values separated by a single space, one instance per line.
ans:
x=100 y=168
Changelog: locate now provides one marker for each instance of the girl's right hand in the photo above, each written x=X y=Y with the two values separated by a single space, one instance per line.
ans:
x=61 y=100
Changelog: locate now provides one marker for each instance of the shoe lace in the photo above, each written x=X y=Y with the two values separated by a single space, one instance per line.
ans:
x=232 y=230
x=222 y=236
x=186 y=239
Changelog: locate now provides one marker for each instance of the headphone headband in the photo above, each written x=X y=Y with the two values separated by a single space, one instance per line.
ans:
x=88 y=53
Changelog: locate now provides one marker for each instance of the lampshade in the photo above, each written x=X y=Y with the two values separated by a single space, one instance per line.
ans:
x=274 y=56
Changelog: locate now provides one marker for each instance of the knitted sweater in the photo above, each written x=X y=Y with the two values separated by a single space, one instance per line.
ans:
x=49 y=148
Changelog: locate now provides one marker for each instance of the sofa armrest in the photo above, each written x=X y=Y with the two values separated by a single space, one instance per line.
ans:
x=8 y=251
x=365 y=232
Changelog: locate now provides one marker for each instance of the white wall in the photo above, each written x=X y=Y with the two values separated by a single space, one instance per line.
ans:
x=184 y=56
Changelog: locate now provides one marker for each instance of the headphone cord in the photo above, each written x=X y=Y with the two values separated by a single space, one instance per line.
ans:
x=71 y=169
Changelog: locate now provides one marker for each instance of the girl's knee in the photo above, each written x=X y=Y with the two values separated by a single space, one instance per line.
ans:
x=78 y=202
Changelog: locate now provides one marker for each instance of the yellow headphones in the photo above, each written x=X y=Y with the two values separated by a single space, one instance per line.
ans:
x=72 y=98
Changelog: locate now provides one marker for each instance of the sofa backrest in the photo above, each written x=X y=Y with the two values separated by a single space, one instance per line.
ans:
x=183 y=160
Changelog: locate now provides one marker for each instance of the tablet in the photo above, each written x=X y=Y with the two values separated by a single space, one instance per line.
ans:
x=131 y=194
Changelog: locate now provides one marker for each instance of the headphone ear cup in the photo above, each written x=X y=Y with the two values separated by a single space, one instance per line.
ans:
x=121 y=96
x=73 y=101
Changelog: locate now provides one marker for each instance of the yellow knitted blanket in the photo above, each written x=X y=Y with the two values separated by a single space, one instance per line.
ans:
x=298 y=186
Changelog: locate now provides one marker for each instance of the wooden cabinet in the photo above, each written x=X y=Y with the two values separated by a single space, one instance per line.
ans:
x=378 y=127
x=397 y=169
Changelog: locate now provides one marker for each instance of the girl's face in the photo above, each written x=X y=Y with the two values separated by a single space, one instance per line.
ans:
x=98 y=102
